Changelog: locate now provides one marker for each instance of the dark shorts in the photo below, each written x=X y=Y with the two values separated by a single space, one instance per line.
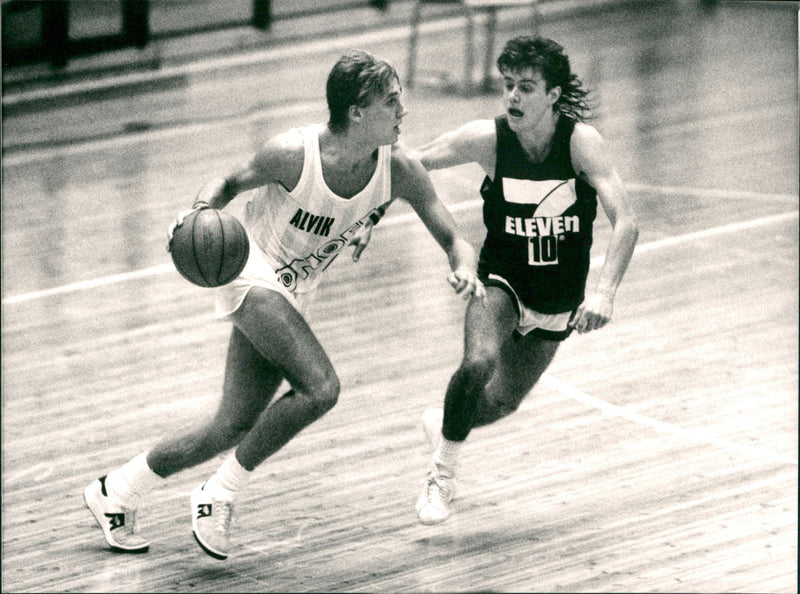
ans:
x=546 y=326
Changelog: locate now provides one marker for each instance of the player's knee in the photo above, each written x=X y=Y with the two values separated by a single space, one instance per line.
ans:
x=227 y=433
x=478 y=368
x=325 y=394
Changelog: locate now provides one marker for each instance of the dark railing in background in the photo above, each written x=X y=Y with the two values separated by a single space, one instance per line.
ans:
x=37 y=31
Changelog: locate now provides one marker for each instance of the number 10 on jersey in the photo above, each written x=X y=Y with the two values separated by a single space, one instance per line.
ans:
x=543 y=250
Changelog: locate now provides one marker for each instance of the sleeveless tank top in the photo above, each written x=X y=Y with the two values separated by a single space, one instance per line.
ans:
x=301 y=232
x=538 y=218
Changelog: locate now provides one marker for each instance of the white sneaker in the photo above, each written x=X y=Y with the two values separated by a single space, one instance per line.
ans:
x=432 y=426
x=433 y=505
x=118 y=523
x=211 y=522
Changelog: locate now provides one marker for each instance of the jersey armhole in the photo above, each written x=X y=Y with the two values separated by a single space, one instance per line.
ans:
x=310 y=143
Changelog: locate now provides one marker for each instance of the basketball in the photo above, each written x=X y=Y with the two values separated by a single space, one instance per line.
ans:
x=210 y=247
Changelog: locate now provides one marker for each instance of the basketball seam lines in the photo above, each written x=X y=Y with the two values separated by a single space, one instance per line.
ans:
x=222 y=251
x=194 y=248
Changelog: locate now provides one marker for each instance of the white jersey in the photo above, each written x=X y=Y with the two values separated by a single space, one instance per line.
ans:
x=301 y=232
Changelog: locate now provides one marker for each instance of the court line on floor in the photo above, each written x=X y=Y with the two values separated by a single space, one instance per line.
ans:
x=453 y=178
x=666 y=190
x=695 y=435
x=410 y=217
x=41 y=470
x=711 y=193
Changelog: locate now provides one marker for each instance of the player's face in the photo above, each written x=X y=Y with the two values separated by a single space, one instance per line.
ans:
x=385 y=114
x=526 y=98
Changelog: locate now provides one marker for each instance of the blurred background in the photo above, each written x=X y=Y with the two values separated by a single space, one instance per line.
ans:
x=659 y=454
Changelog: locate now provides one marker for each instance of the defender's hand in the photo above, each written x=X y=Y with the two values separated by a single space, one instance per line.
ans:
x=360 y=240
x=593 y=313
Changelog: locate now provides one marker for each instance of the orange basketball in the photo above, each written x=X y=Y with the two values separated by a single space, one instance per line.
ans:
x=210 y=247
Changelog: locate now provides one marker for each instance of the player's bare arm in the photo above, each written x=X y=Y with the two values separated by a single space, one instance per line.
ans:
x=591 y=162
x=474 y=142
x=279 y=160
x=410 y=182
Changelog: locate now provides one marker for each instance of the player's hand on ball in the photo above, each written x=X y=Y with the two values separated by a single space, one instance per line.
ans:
x=593 y=313
x=465 y=282
x=179 y=221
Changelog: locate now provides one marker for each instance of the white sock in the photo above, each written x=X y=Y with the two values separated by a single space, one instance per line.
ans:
x=446 y=457
x=126 y=484
x=229 y=479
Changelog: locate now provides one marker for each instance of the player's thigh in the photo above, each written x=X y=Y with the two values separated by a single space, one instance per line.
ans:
x=488 y=323
x=523 y=361
x=284 y=339
x=250 y=382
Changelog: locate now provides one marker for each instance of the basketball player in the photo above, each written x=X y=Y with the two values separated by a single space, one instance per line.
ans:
x=545 y=171
x=318 y=189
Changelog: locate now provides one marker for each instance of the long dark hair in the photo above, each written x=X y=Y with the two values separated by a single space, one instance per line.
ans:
x=548 y=57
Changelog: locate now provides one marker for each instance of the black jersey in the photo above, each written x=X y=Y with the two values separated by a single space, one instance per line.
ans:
x=539 y=220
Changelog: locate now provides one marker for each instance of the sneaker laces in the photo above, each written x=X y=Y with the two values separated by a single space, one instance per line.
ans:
x=223 y=510
x=130 y=519
x=433 y=489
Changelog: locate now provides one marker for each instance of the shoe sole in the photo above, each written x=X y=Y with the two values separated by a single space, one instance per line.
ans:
x=432 y=523
x=96 y=515
x=208 y=551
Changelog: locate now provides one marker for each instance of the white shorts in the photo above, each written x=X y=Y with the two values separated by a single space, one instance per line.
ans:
x=530 y=320
x=257 y=273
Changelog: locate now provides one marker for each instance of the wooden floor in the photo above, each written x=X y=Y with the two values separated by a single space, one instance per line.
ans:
x=657 y=455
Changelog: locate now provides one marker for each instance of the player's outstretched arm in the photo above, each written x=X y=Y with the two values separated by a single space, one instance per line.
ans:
x=473 y=142
x=410 y=182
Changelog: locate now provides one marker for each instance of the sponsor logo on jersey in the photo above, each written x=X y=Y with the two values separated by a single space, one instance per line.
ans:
x=542 y=226
x=317 y=224
x=549 y=226
x=302 y=268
